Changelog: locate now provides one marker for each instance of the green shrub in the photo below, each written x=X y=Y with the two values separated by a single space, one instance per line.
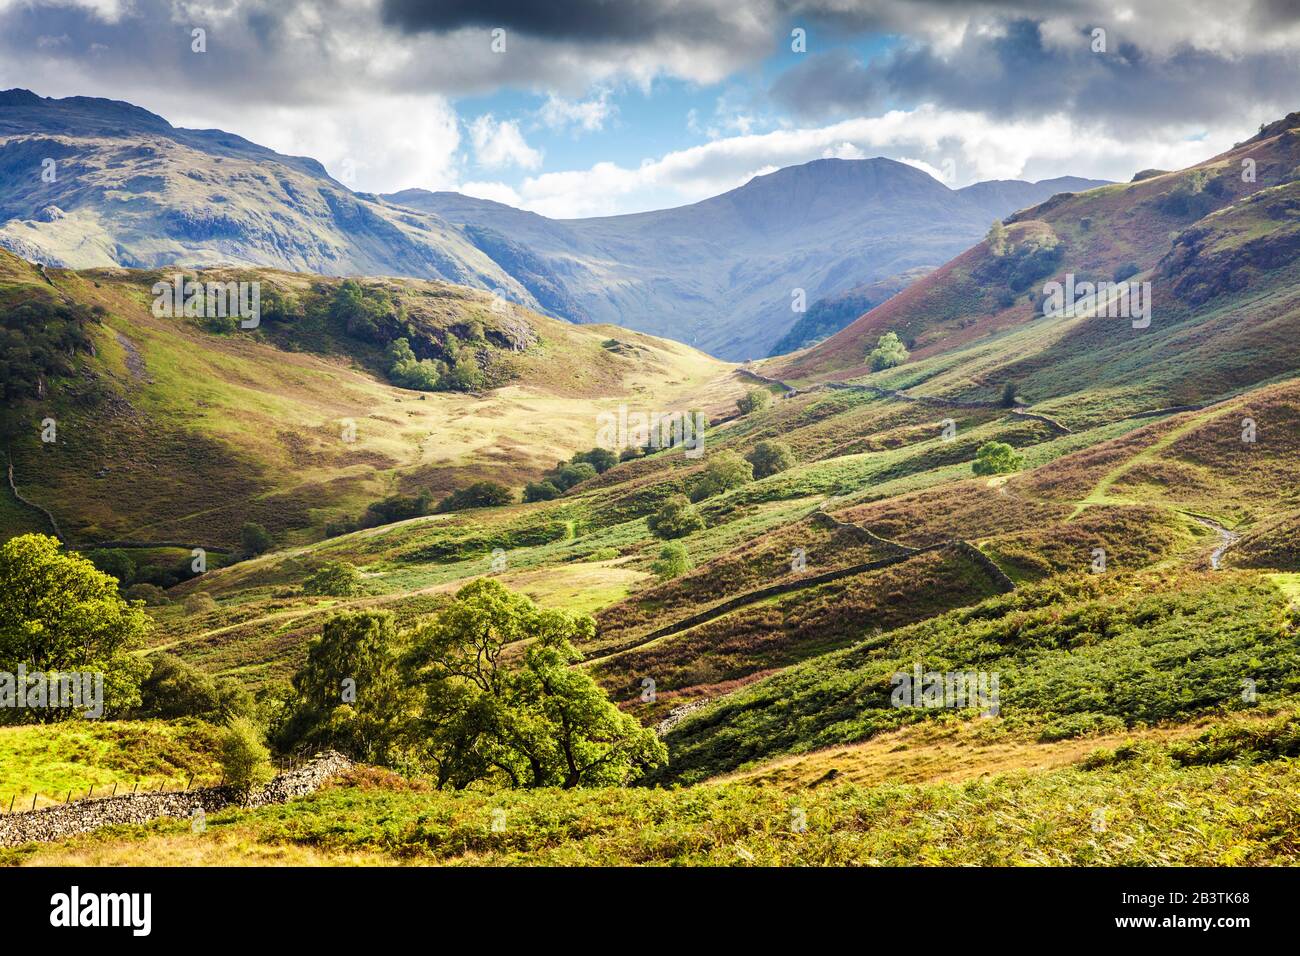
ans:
x=255 y=539
x=481 y=494
x=335 y=579
x=175 y=688
x=769 y=458
x=574 y=474
x=540 y=491
x=997 y=458
x=755 y=400
x=675 y=518
x=725 y=470
x=888 y=353
x=245 y=761
x=674 y=561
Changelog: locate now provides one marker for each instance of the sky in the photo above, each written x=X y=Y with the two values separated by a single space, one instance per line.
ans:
x=599 y=107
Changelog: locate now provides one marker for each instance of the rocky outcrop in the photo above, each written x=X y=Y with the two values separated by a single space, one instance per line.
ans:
x=56 y=823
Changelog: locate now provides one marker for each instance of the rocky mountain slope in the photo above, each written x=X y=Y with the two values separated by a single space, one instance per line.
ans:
x=89 y=182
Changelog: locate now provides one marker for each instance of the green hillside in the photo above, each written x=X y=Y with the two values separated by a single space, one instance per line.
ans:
x=1107 y=547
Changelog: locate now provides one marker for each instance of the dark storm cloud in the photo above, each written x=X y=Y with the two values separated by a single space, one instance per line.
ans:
x=575 y=20
x=837 y=83
x=1013 y=72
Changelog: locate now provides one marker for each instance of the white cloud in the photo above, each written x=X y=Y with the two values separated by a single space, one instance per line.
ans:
x=497 y=192
x=844 y=150
x=500 y=144
x=590 y=115
x=353 y=138
x=978 y=146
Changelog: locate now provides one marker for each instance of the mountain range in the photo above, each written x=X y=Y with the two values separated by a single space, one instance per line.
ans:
x=122 y=186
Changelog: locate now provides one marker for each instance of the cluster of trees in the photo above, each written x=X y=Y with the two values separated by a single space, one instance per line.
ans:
x=581 y=467
x=371 y=314
x=40 y=339
x=725 y=470
x=400 y=507
x=888 y=353
x=449 y=698
x=459 y=373
x=1016 y=266
x=59 y=613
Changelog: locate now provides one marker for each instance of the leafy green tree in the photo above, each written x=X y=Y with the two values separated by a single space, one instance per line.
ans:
x=888 y=353
x=540 y=491
x=755 y=400
x=245 y=761
x=602 y=459
x=116 y=562
x=396 y=508
x=350 y=693
x=463 y=374
x=364 y=313
x=997 y=458
x=541 y=724
x=175 y=688
x=569 y=475
x=675 y=518
x=255 y=539
x=59 y=613
x=481 y=494
x=769 y=458
x=725 y=470
x=406 y=370
x=1009 y=392
x=335 y=579
x=674 y=561
x=997 y=238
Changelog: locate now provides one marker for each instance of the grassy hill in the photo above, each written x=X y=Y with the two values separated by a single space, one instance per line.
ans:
x=170 y=431
x=1129 y=577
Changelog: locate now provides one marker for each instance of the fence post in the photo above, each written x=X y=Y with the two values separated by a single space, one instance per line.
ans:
x=188 y=782
x=90 y=792
x=67 y=798
x=11 y=802
x=135 y=788
x=114 y=793
x=34 y=796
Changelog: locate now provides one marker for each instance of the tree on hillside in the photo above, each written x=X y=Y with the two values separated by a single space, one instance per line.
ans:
x=541 y=723
x=888 y=353
x=602 y=459
x=673 y=561
x=997 y=238
x=1009 y=392
x=997 y=458
x=675 y=518
x=755 y=400
x=245 y=761
x=406 y=370
x=335 y=579
x=481 y=494
x=540 y=491
x=769 y=458
x=725 y=470
x=175 y=688
x=350 y=693
x=574 y=474
x=58 y=613
x=254 y=539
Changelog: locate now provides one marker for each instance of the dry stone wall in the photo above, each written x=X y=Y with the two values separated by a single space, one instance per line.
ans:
x=56 y=823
